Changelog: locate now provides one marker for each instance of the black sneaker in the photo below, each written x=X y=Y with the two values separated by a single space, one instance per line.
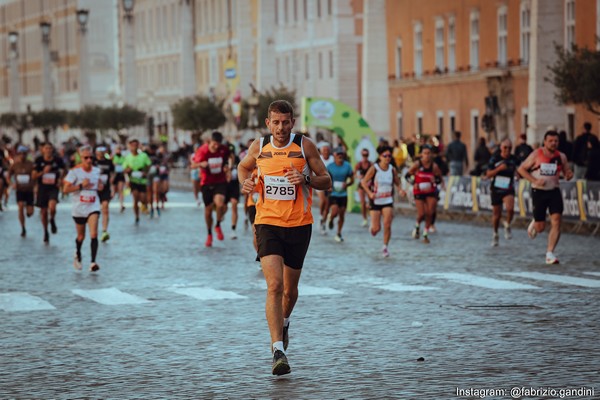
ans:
x=53 y=228
x=46 y=237
x=286 y=337
x=280 y=363
x=23 y=232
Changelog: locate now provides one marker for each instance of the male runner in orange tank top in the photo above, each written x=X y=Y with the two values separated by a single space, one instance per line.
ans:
x=289 y=167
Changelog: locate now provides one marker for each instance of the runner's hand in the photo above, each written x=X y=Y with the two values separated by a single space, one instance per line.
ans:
x=86 y=184
x=294 y=176
x=249 y=184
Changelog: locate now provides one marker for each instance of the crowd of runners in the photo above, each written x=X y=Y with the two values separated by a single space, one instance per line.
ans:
x=273 y=177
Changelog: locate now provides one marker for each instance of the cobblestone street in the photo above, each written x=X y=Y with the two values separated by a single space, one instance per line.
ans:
x=167 y=318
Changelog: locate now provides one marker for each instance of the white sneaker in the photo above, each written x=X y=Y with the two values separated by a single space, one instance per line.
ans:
x=76 y=262
x=323 y=230
x=416 y=233
x=495 y=240
x=233 y=236
x=338 y=238
x=551 y=258
x=385 y=252
x=432 y=229
x=507 y=231
x=365 y=223
x=531 y=232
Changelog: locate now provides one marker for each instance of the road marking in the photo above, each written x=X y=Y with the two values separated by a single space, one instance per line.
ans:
x=305 y=290
x=564 y=279
x=475 y=280
x=19 y=301
x=399 y=287
x=109 y=296
x=592 y=273
x=204 y=293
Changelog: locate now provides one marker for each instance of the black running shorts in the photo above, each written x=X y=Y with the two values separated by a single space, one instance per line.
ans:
x=44 y=195
x=340 y=201
x=84 y=220
x=209 y=192
x=289 y=243
x=546 y=200
x=25 y=197
x=498 y=197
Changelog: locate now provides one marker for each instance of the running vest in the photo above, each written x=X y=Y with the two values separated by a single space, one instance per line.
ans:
x=547 y=168
x=279 y=203
x=424 y=180
x=383 y=185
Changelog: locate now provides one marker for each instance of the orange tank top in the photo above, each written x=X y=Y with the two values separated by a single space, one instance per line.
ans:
x=279 y=203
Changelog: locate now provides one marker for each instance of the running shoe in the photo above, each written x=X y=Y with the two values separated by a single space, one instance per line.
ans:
x=495 y=239
x=338 y=238
x=122 y=209
x=426 y=238
x=76 y=262
x=152 y=213
x=507 y=231
x=432 y=229
x=416 y=233
x=46 y=237
x=286 y=337
x=105 y=237
x=219 y=231
x=330 y=222
x=551 y=258
x=365 y=223
x=323 y=230
x=385 y=252
x=158 y=211
x=94 y=267
x=23 y=232
x=531 y=232
x=53 y=227
x=137 y=221
x=208 y=242
x=280 y=363
x=233 y=236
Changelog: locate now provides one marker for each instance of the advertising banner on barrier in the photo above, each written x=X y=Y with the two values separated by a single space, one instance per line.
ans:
x=581 y=199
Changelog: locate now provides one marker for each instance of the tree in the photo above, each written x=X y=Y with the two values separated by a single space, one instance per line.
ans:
x=48 y=121
x=198 y=114
x=17 y=121
x=575 y=76
x=264 y=100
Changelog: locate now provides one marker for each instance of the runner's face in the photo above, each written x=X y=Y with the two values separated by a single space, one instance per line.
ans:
x=86 y=158
x=213 y=146
x=47 y=151
x=426 y=155
x=280 y=126
x=133 y=146
x=385 y=158
x=551 y=143
x=339 y=158
x=505 y=149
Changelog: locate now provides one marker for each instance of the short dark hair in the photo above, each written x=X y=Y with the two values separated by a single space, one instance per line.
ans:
x=217 y=136
x=550 y=133
x=383 y=149
x=281 y=107
x=587 y=126
x=457 y=134
x=47 y=144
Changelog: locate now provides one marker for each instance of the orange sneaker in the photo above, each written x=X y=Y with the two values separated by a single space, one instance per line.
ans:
x=219 y=231
x=208 y=242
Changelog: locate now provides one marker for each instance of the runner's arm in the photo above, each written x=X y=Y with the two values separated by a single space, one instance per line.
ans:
x=321 y=180
x=366 y=179
x=567 y=169
x=525 y=166
x=246 y=166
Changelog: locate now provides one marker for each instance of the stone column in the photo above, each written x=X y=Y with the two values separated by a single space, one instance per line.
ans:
x=188 y=55
x=266 y=45
x=129 y=70
x=14 y=80
x=47 y=87
x=375 y=90
x=546 y=29
x=345 y=55
x=245 y=48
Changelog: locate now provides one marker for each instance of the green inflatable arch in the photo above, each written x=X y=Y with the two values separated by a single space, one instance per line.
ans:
x=347 y=124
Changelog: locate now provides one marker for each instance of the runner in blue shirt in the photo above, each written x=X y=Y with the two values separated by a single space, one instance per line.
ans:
x=342 y=176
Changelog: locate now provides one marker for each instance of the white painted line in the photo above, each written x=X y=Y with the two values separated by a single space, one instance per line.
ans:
x=564 y=279
x=399 y=287
x=475 y=280
x=305 y=290
x=109 y=296
x=207 y=293
x=18 y=301
x=592 y=273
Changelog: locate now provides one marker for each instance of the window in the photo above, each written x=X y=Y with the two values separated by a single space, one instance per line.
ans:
x=400 y=125
x=420 y=123
x=399 y=58
x=525 y=32
x=307 y=66
x=439 y=44
x=440 y=118
x=287 y=68
x=474 y=128
x=276 y=12
x=318 y=8
x=452 y=116
x=285 y=12
x=525 y=119
x=329 y=7
x=295 y=10
x=451 y=44
x=474 y=42
x=331 y=63
x=320 y=65
x=418 y=67
x=569 y=23
x=570 y=124
x=277 y=70
x=502 y=35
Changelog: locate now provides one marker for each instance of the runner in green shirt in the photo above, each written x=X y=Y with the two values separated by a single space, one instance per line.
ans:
x=119 y=179
x=136 y=165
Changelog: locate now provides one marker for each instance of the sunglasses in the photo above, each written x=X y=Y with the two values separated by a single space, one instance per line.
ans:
x=386 y=155
x=86 y=157
x=506 y=147
x=365 y=155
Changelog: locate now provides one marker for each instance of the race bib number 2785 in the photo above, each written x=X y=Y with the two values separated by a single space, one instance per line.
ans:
x=279 y=188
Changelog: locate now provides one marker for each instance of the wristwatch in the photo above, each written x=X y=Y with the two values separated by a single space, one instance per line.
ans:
x=307 y=179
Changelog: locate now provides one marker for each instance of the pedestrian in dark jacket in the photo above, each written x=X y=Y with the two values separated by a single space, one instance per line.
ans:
x=581 y=149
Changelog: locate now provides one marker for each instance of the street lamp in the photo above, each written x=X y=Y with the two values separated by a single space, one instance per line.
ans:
x=45 y=28
x=13 y=39
x=47 y=95
x=82 y=18
x=128 y=7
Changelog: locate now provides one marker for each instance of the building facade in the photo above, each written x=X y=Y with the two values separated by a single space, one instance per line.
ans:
x=453 y=63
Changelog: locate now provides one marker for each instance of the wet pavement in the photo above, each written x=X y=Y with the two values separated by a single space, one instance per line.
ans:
x=167 y=318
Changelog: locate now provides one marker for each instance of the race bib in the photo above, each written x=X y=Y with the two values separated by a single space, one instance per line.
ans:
x=502 y=182
x=425 y=186
x=137 y=174
x=383 y=194
x=215 y=165
x=87 y=196
x=23 y=179
x=547 y=169
x=103 y=178
x=49 y=179
x=119 y=169
x=338 y=186
x=152 y=170
x=279 y=188
x=162 y=170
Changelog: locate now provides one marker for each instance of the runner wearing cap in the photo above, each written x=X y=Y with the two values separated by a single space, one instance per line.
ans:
x=342 y=176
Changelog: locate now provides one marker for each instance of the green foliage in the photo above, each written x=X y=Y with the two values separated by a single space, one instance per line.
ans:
x=575 y=76
x=198 y=114
x=9 y=120
x=94 y=118
x=264 y=100
x=48 y=119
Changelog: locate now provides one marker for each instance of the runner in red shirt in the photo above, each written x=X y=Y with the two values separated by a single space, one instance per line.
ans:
x=214 y=160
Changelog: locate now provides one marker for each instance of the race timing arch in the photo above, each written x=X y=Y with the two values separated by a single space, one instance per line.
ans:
x=347 y=124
